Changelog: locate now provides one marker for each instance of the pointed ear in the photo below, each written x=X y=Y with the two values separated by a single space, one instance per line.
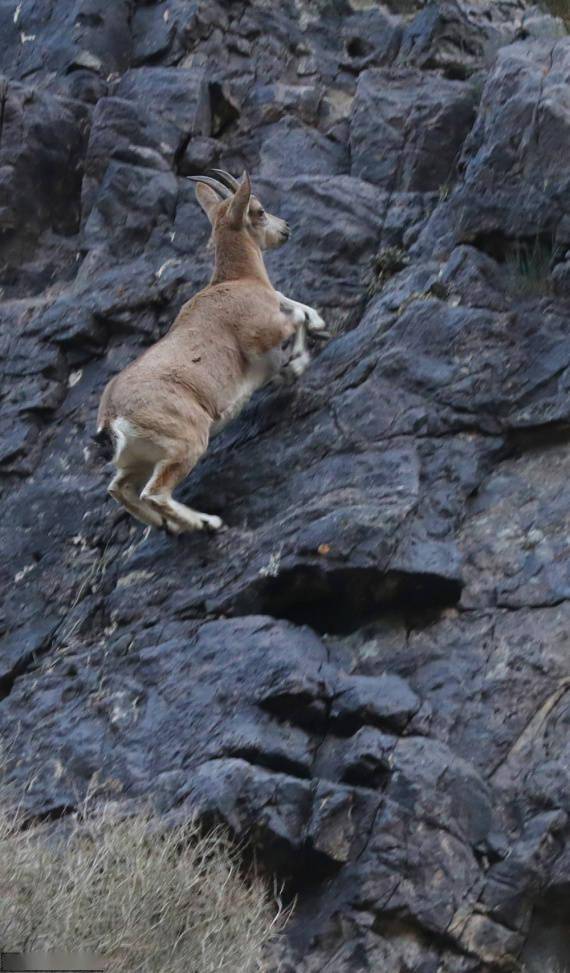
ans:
x=240 y=202
x=208 y=199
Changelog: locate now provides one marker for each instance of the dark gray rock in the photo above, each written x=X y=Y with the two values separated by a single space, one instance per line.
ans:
x=292 y=149
x=133 y=201
x=178 y=97
x=513 y=185
x=408 y=128
x=384 y=701
x=37 y=39
x=366 y=677
x=517 y=552
x=42 y=149
x=370 y=38
x=459 y=38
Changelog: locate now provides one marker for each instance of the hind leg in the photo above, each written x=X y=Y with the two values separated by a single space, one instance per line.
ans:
x=168 y=473
x=135 y=458
x=123 y=489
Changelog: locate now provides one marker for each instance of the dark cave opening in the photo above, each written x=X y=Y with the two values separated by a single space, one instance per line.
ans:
x=356 y=47
x=342 y=600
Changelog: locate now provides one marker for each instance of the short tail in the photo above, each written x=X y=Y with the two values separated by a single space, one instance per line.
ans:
x=104 y=443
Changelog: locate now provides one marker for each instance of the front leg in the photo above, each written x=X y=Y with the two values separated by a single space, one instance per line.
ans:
x=303 y=314
x=300 y=358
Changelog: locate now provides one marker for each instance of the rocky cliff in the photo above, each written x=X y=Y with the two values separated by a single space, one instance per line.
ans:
x=368 y=674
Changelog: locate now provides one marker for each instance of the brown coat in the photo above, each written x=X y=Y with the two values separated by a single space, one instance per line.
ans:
x=163 y=407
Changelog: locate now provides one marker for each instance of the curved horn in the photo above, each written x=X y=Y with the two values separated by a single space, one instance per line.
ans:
x=222 y=190
x=227 y=178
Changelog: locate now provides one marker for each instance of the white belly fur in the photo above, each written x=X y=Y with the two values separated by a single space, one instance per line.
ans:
x=259 y=372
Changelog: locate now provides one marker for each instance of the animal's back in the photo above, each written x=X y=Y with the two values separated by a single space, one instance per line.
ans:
x=199 y=366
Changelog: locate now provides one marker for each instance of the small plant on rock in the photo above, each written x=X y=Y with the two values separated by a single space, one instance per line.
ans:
x=388 y=262
x=529 y=266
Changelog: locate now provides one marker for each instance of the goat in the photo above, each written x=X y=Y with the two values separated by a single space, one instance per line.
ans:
x=162 y=409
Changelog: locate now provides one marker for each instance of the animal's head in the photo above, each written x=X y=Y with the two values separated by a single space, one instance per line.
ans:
x=231 y=205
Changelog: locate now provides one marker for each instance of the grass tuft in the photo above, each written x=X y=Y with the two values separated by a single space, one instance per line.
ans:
x=147 y=898
x=388 y=262
x=529 y=267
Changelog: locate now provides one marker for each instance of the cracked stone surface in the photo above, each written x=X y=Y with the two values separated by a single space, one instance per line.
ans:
x=367 y=676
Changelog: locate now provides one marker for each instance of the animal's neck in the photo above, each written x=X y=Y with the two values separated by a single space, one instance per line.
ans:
x=237 y=256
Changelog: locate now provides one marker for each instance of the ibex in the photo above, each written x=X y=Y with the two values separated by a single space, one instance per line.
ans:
x=162 y=409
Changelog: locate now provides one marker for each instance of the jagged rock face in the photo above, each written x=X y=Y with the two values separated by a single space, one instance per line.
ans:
x=367 y=675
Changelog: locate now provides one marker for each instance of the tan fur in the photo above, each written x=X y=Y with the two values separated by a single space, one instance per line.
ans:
x=162 y=408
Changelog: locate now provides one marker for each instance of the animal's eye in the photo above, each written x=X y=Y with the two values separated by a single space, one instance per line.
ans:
x=257 y=214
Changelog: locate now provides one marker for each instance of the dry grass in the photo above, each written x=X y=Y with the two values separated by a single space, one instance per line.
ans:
x=166 y=901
